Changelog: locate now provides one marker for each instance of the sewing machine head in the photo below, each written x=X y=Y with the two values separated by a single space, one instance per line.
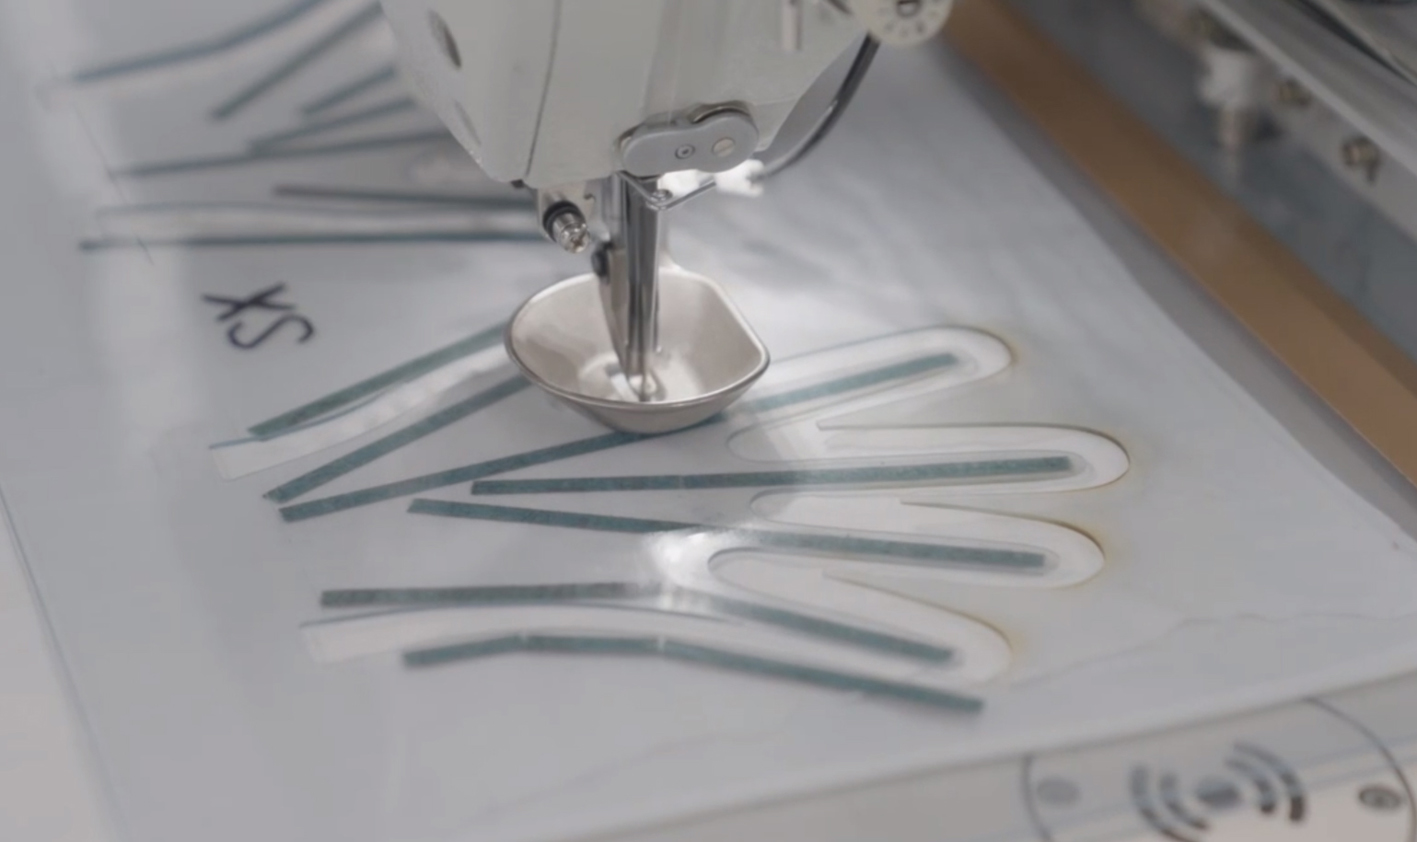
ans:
x=590 y=103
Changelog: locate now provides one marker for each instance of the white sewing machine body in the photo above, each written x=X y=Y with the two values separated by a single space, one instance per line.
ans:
x=545 y=92
x=590 y=103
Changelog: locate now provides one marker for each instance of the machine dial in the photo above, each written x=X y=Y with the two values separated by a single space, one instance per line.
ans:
x=901 y=23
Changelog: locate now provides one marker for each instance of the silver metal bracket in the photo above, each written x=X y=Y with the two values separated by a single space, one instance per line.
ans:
x=719 y=141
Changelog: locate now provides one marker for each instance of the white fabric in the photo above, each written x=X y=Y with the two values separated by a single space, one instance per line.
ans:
x=1237 y=571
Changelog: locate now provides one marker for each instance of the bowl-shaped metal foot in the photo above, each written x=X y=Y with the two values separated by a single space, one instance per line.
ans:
x=707 y=354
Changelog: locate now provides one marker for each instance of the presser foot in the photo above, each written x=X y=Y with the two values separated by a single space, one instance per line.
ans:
x=705 y=357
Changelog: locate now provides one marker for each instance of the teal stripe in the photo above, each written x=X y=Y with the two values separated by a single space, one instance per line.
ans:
x=903 y=474
x=909 y=552
x=350 y=25
x=542 y=517
x=481 y=470
x=373 y=112
x=258 y=156
x=387 y=73
x=695 y=654
x=465 y=651
x=863 y=380
x=684 y=599
x=529 y=236
x=675 y=600
x=486 y=594
x=406 y=197
x=467 y=473
x=561 y=644
x=410 y=370
x=379 y=448
x=830 y=679
x=220 y=44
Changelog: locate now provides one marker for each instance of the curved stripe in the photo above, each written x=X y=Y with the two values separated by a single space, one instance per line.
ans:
x=696 y=654
x=348 y=638
x=247 y=456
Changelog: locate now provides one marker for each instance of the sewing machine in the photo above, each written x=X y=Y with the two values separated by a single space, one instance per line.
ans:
x=590 y=105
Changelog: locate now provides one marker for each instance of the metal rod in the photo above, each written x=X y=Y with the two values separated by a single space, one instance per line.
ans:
x=642 y=265
x=630 y=285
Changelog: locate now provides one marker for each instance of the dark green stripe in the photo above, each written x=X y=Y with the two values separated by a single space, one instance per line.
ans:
x=216 y=45
x=990 y=469
x=467 y=473
x=307 y=54
x=258 y=156
x=863 y=380
x=219 y=241
x=387 y=73
x=683 y=599
x=486 y=595
x=480 y=470
x=541 y=517
x=330 y=471
x=407 y=197
x=394 y=106
x=676 y=600
x=465 y=651
x=694 y=654
x=925 y=554
x=410 y=370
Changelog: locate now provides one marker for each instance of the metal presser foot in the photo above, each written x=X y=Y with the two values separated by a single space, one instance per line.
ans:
x=640 y=345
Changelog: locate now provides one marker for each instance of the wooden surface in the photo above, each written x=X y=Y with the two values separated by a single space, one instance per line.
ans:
x=1363 y=376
